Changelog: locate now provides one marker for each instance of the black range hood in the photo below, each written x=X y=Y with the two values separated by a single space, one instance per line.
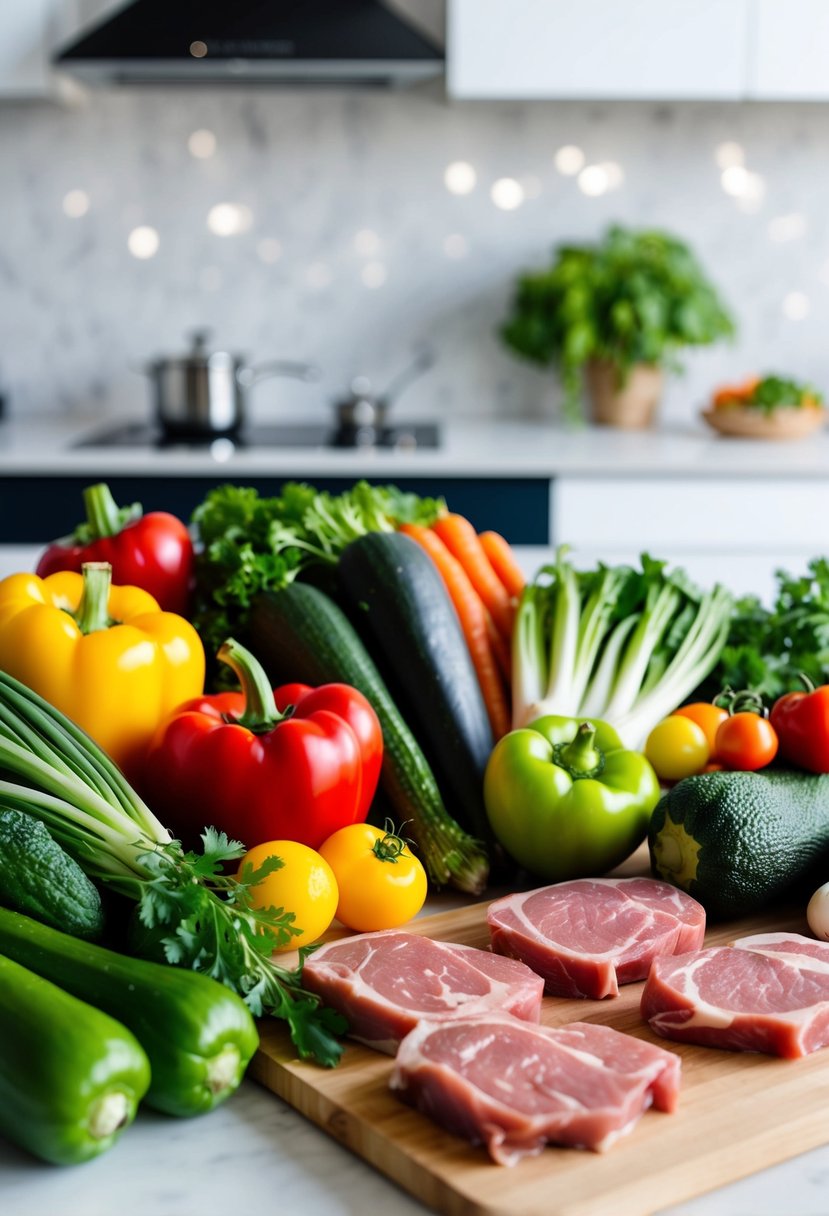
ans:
x=291 y=42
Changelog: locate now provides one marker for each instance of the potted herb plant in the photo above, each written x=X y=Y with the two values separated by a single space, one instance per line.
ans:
x=616 y=313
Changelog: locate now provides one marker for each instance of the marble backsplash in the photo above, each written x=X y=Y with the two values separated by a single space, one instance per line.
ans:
x=348 y=247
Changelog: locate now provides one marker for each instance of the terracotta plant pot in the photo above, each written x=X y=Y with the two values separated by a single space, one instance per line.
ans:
x=631 y=405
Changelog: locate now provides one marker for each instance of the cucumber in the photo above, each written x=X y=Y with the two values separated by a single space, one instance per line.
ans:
x=736 y=841
x=399 y=603
x=40 y=880
x=198 y=1035
x=299 y=634
x=71 y=1077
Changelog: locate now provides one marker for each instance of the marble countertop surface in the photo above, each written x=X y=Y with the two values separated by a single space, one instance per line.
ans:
x=41 y=446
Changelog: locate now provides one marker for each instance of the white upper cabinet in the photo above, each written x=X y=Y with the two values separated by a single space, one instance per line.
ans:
x=790 y=50
x=616 y=49
x=25 y=28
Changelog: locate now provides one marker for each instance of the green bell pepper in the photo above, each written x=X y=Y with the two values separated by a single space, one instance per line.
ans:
x=564 y=798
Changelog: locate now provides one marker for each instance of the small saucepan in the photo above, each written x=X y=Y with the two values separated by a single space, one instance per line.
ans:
x=203 y=393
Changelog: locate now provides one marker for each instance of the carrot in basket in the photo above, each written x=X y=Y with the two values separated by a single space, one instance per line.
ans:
x=462 y=541
x=502 y=560
x=472 y=616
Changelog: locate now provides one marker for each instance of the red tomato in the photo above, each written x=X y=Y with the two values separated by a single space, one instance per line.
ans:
x=709 y=718
x=746 y=742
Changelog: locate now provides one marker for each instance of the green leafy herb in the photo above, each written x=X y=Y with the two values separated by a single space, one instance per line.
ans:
x=769 y=648
x=636 y=297
x=206 y=918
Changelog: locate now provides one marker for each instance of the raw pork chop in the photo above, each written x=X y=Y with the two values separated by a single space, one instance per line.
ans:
x=384 y=983
x=587 y=937
x=514 y=1087
x=768 y=992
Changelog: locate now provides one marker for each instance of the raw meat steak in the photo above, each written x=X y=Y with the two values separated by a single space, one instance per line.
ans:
x=514 y=1087
x=768 y=992
x=383 y=983
x=587 y=937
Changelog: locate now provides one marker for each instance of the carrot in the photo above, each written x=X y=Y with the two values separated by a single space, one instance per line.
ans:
x=472 y=616
x=500 y=647
x=502 y=560
x=462 y=541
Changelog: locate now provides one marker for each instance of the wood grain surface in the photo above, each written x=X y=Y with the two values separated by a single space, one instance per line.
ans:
x=738 y=1113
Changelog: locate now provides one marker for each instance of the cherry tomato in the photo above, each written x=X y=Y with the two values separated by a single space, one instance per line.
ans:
x=382 y=884
x=677 y=748
x=707 y=716
x=746 y=742
x=304 y=885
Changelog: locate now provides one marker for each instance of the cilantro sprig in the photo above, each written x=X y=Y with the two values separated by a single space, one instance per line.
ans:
x=207 y=922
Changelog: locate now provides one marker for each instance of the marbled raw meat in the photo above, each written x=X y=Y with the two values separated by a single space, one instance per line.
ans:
x=516 y=1087
x=383 y=983
x=768 y=992
x=587 y=937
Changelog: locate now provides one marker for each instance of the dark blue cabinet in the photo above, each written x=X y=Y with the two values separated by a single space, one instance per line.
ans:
x=35 y=509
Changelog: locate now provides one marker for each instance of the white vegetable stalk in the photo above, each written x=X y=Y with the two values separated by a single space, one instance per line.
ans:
x=578 y=653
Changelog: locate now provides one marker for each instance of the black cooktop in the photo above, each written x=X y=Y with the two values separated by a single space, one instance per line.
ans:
x=400 y=437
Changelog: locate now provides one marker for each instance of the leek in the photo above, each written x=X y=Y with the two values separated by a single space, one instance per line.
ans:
x=622 y=645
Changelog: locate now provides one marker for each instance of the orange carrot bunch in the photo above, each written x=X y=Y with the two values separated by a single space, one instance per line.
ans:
x=484 y=581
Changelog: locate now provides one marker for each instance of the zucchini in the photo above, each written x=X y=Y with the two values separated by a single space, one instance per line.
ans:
x=736 y=841
x=39 y=879
x=198 y=1035
x=298 y=633
x=399 y=603
x=71 y=1077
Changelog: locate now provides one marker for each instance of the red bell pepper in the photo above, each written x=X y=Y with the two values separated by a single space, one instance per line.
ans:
x=153 y=551
x=236 y=762
x=801 y=720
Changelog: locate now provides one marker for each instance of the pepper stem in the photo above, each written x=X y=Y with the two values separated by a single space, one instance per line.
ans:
x=260 y=714
x=103 y=515
x=580 y=756
x=92 y=613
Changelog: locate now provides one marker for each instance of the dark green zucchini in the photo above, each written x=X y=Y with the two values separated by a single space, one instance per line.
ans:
x=399 y=603
x=298 y=633
x=736 y=841
x=40 y=880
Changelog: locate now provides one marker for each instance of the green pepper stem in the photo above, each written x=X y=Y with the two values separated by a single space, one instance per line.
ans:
x=107 y=1114
x=581 y=756
x=92 y=613
x=103 y=515
x=260 y=714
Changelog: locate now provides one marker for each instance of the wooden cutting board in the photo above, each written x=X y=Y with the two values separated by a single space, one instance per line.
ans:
x=738 y=1114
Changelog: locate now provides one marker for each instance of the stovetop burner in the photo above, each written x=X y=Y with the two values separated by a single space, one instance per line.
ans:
x=402 y=436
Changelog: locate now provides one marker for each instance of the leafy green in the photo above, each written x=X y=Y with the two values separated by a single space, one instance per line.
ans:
x=250 y=544
x=635 y=297
x=622 y=645
x=207 y=919
x=769 y=648
x=771 y=392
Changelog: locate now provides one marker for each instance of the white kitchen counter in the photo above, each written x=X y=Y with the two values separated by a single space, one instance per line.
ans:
x=44 y=446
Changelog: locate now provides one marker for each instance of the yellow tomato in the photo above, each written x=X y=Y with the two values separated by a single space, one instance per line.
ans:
x=304 y=885
x=382 y=884
x=677 y=748
x=708 y=717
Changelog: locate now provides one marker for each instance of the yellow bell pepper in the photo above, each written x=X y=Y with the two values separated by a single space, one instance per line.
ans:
x=106 y=656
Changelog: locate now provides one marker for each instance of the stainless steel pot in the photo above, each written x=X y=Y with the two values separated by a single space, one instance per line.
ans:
x=203 y=393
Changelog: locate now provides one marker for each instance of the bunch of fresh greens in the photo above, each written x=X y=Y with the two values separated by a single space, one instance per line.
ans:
x=204 y=919
x=622 y=645
x=250 y=544
x=768 y=649
x=770 y=393
x=635 y=297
